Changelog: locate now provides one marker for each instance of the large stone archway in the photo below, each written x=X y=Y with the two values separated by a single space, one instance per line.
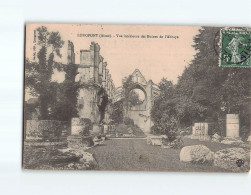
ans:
x=141 y=113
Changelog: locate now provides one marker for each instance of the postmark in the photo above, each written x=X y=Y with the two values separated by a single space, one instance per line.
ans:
x=235 y=48
x=239 y=162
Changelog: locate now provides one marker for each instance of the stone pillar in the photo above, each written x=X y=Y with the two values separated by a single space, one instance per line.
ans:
x=104 y=74
x=70 y=53
x=100 y=74
x=96 y=62
x=232 y=125
x=80 y=133
x=106 y=129
x=106 y=79
x=200 y=129
x=80 y=126
x=109 y=85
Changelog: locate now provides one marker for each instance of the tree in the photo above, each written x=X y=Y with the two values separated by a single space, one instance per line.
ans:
x=131 y=98
x=204 y=91
x=163 y=113
x=38 y=75
x=117 y=112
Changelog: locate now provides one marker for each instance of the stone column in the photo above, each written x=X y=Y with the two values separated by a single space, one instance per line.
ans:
x=70 y=53
x=232 y=125
x=100 y=74
x=109 y=85
x=80 y=126
x=80 y=133
x=106 y=79
x=104 y=74
x=96 y=62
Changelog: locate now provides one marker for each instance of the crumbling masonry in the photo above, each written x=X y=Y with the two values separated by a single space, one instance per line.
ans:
x=94 y=75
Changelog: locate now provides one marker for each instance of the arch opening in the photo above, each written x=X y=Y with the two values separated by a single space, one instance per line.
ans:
x=136 y=96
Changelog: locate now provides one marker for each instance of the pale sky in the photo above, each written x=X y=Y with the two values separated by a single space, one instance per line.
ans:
x=154 y=57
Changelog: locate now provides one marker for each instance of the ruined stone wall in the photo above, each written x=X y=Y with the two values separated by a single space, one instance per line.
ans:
x=88 y=108
x=86 y=58
x=92 y=71
x=104 y=74
x=46 y=129
x=70 y=53
x=140 y=114
x=96 y=62
x=142 y=119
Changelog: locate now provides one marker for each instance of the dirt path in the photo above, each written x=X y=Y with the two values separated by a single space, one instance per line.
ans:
x=135 y=154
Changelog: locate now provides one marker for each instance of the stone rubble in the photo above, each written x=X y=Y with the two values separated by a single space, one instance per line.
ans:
x=233 y=159
x=232 y=141
x=216 y=138
x=175 y=144
x=86 y=160
x=155 y=140
x=196 y=154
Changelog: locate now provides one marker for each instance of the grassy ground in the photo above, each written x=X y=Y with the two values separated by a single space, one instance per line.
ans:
x=135 y=154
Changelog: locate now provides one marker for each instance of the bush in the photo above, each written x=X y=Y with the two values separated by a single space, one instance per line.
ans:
x=128 y=121
x=188 y=130
x=244 y=133
x=155 y=130
x=171 y=135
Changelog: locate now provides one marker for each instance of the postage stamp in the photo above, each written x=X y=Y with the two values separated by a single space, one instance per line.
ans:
x=235 y=48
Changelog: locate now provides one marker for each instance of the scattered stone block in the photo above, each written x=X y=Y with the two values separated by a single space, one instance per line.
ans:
x=155 y=140
x=97 y=139
x=200 y=129
x=233 y=159
x=232 y=125
x=216 y=138
x=86 y=160
x=196 y=154
x=232 y=141
x=89 y=160
x=80 y=126
x=249 y=138
x=106 y=129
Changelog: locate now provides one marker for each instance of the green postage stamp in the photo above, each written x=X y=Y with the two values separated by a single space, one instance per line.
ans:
x=235 y=48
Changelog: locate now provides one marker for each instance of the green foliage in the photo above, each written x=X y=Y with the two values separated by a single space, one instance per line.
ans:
x=204 y=91
x=164 y=113
x=56 y=100
x=29 y=109
x=128 y=121
x=117 y=112
x=131 y=97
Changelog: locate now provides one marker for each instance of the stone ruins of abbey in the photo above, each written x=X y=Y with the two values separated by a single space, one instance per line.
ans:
x=92 y=70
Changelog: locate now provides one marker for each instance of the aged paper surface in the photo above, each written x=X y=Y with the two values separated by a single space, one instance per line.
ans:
x=137 y=98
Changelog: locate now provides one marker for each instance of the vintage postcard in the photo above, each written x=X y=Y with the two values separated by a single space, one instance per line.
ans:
x=137 y=98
